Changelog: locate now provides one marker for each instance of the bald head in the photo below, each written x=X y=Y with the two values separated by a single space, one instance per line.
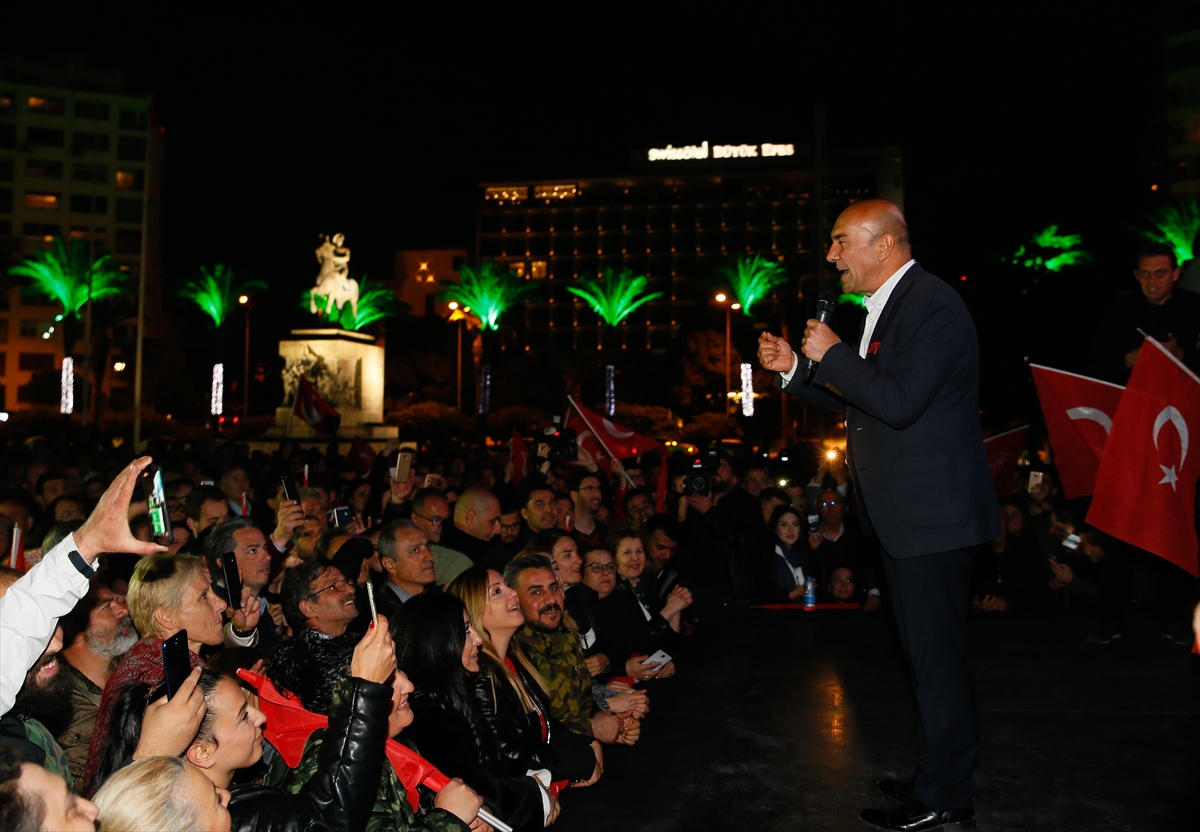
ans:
x=870 y=242
x=477 y=512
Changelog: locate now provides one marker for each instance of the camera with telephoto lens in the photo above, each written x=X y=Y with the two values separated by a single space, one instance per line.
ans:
x=699 y=478
x=561 y=442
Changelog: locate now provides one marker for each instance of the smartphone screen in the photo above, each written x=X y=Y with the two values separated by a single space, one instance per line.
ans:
x=1035 y=478
x=371 y=601
x=233 y=580
x=403 y=467
x=289 y=488
x=156 y=500
x=176 y=664
x=1071 y=541
x=341 y=516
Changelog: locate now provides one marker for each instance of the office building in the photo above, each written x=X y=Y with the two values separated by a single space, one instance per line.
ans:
x=676 y=215
x=80 y=158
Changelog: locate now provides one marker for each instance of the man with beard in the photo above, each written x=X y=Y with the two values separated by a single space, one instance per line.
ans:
x=45 y=697
x=96 y=634
x=556 y=652
x=587 y=496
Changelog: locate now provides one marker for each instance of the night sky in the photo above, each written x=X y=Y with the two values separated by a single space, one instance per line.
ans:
x=278 y=129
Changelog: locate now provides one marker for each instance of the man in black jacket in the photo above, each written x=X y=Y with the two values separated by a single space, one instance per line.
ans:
x=910 y=392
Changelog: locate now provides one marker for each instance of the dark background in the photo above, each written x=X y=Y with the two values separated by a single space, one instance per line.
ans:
x=285 y=126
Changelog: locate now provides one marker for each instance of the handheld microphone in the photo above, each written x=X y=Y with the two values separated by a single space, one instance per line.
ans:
x=825 y=308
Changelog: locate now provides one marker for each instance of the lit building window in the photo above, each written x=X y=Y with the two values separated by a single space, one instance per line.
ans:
x=555 y=193
x=506 y=193
x=131 y=180
x=46 y=106
x=538 y=269
x=96 y=234
x=518 y=268
x=43 y=201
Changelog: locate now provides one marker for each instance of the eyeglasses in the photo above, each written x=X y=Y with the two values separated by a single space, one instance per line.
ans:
x=830 y=503
x=336 y=586
x=844 y=580
x=601 y=568
x=433 y=521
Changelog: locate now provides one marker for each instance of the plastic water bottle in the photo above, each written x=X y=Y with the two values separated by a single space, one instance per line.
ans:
x=810 y=594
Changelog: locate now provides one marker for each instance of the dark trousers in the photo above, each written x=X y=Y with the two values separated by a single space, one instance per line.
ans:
x=930 y=598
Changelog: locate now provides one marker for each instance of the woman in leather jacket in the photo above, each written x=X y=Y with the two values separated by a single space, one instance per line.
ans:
x=341 y=791
x=439 y=651
x=510 y=691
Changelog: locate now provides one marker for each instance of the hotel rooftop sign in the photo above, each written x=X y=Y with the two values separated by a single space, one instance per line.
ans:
x=671 y=153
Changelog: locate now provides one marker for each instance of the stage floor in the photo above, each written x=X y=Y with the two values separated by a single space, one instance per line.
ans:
x=783 y=720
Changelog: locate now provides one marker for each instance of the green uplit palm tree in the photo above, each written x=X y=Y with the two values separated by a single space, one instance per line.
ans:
x=212 y=290
x=487 y=290
x=375 y=303
x=1176 y=226
x=70 y=275
x=1049 y=251
x=614 y=295
x=753 y=278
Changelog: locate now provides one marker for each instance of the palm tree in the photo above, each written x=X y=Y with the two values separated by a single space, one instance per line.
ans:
x=753 y=278
x=615 y=294
x=70 y=275
x=487 y=290
x=1176 y=226
x=375 y=303
x=1050 y=251
x=212 y=290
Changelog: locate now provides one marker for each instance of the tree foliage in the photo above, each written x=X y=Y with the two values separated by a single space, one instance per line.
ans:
x=487 y=291
x=1176 y=226
x=70 y=275
x=614 y=294
x=1049 y=251
x=375 y=303
x=752 y=278
x=213 y=291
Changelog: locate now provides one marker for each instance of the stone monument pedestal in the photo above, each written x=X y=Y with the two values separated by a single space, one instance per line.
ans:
x=347 y=370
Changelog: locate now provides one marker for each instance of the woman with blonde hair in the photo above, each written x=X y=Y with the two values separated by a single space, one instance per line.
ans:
x=510 y=692
x=166 y=794
x=168 y=594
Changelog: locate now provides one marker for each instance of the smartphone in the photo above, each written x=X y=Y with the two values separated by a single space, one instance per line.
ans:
x=1071 y=542
x=156 y=499
x=660 y=657
x=404 y=463
x=176 y=663
x=226 y=579
x=341 y=516
x=1035 y=478
x=814 y=523
x=371 y=600
x=289 y=488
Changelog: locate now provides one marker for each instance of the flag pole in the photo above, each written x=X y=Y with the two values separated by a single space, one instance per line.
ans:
x=596 y=436
x=292 y=412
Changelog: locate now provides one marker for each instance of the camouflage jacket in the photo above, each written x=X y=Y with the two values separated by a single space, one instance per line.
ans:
x=391 y=812
x=559 y=659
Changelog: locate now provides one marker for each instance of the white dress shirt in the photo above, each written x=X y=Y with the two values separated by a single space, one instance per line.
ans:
x=875 y=303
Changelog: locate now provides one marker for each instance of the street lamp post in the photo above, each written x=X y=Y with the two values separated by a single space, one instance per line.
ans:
x=721 y=298
x=244 y=300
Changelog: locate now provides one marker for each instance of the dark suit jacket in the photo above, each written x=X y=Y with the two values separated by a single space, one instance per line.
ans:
x=915 y=449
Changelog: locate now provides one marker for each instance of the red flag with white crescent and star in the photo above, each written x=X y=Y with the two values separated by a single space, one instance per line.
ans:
x=1079 y=414
x=605 y=440
x=316 y=411
x=1003 y=451
x=1146 y=484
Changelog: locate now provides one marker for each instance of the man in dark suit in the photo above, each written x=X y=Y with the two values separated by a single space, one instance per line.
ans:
x=910 y=391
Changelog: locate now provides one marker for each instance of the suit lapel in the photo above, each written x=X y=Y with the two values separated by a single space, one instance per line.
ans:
x=902 y=289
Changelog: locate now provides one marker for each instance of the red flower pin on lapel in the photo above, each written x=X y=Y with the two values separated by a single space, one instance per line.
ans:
x=873 y=348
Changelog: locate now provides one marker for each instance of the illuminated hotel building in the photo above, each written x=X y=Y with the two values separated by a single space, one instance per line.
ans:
x=677 y=216
x=80 y=157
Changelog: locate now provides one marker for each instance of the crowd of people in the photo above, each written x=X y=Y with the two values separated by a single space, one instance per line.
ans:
x=504 y=625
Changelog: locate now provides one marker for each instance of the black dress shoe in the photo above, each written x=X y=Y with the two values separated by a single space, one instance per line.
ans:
x=898 y=790
x=915 y=816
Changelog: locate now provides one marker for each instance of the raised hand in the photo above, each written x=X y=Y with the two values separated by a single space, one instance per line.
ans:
x=775 y=354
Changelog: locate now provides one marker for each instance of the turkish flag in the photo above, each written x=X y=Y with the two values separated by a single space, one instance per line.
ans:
x=316 y=411
x=1079 y=414
x=362 y=456
x=1003 y=451
x=1146 y=485
x=520 y=458
x=605 y=440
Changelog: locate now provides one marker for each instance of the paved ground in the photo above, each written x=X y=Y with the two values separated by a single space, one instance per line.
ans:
x=782 y=720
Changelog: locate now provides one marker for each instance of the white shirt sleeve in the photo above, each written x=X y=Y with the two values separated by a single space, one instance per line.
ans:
x=542 y=776
x=787 y=377
x=30 y=610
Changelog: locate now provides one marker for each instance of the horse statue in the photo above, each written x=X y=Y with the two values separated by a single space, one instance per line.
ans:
x=334 y=279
